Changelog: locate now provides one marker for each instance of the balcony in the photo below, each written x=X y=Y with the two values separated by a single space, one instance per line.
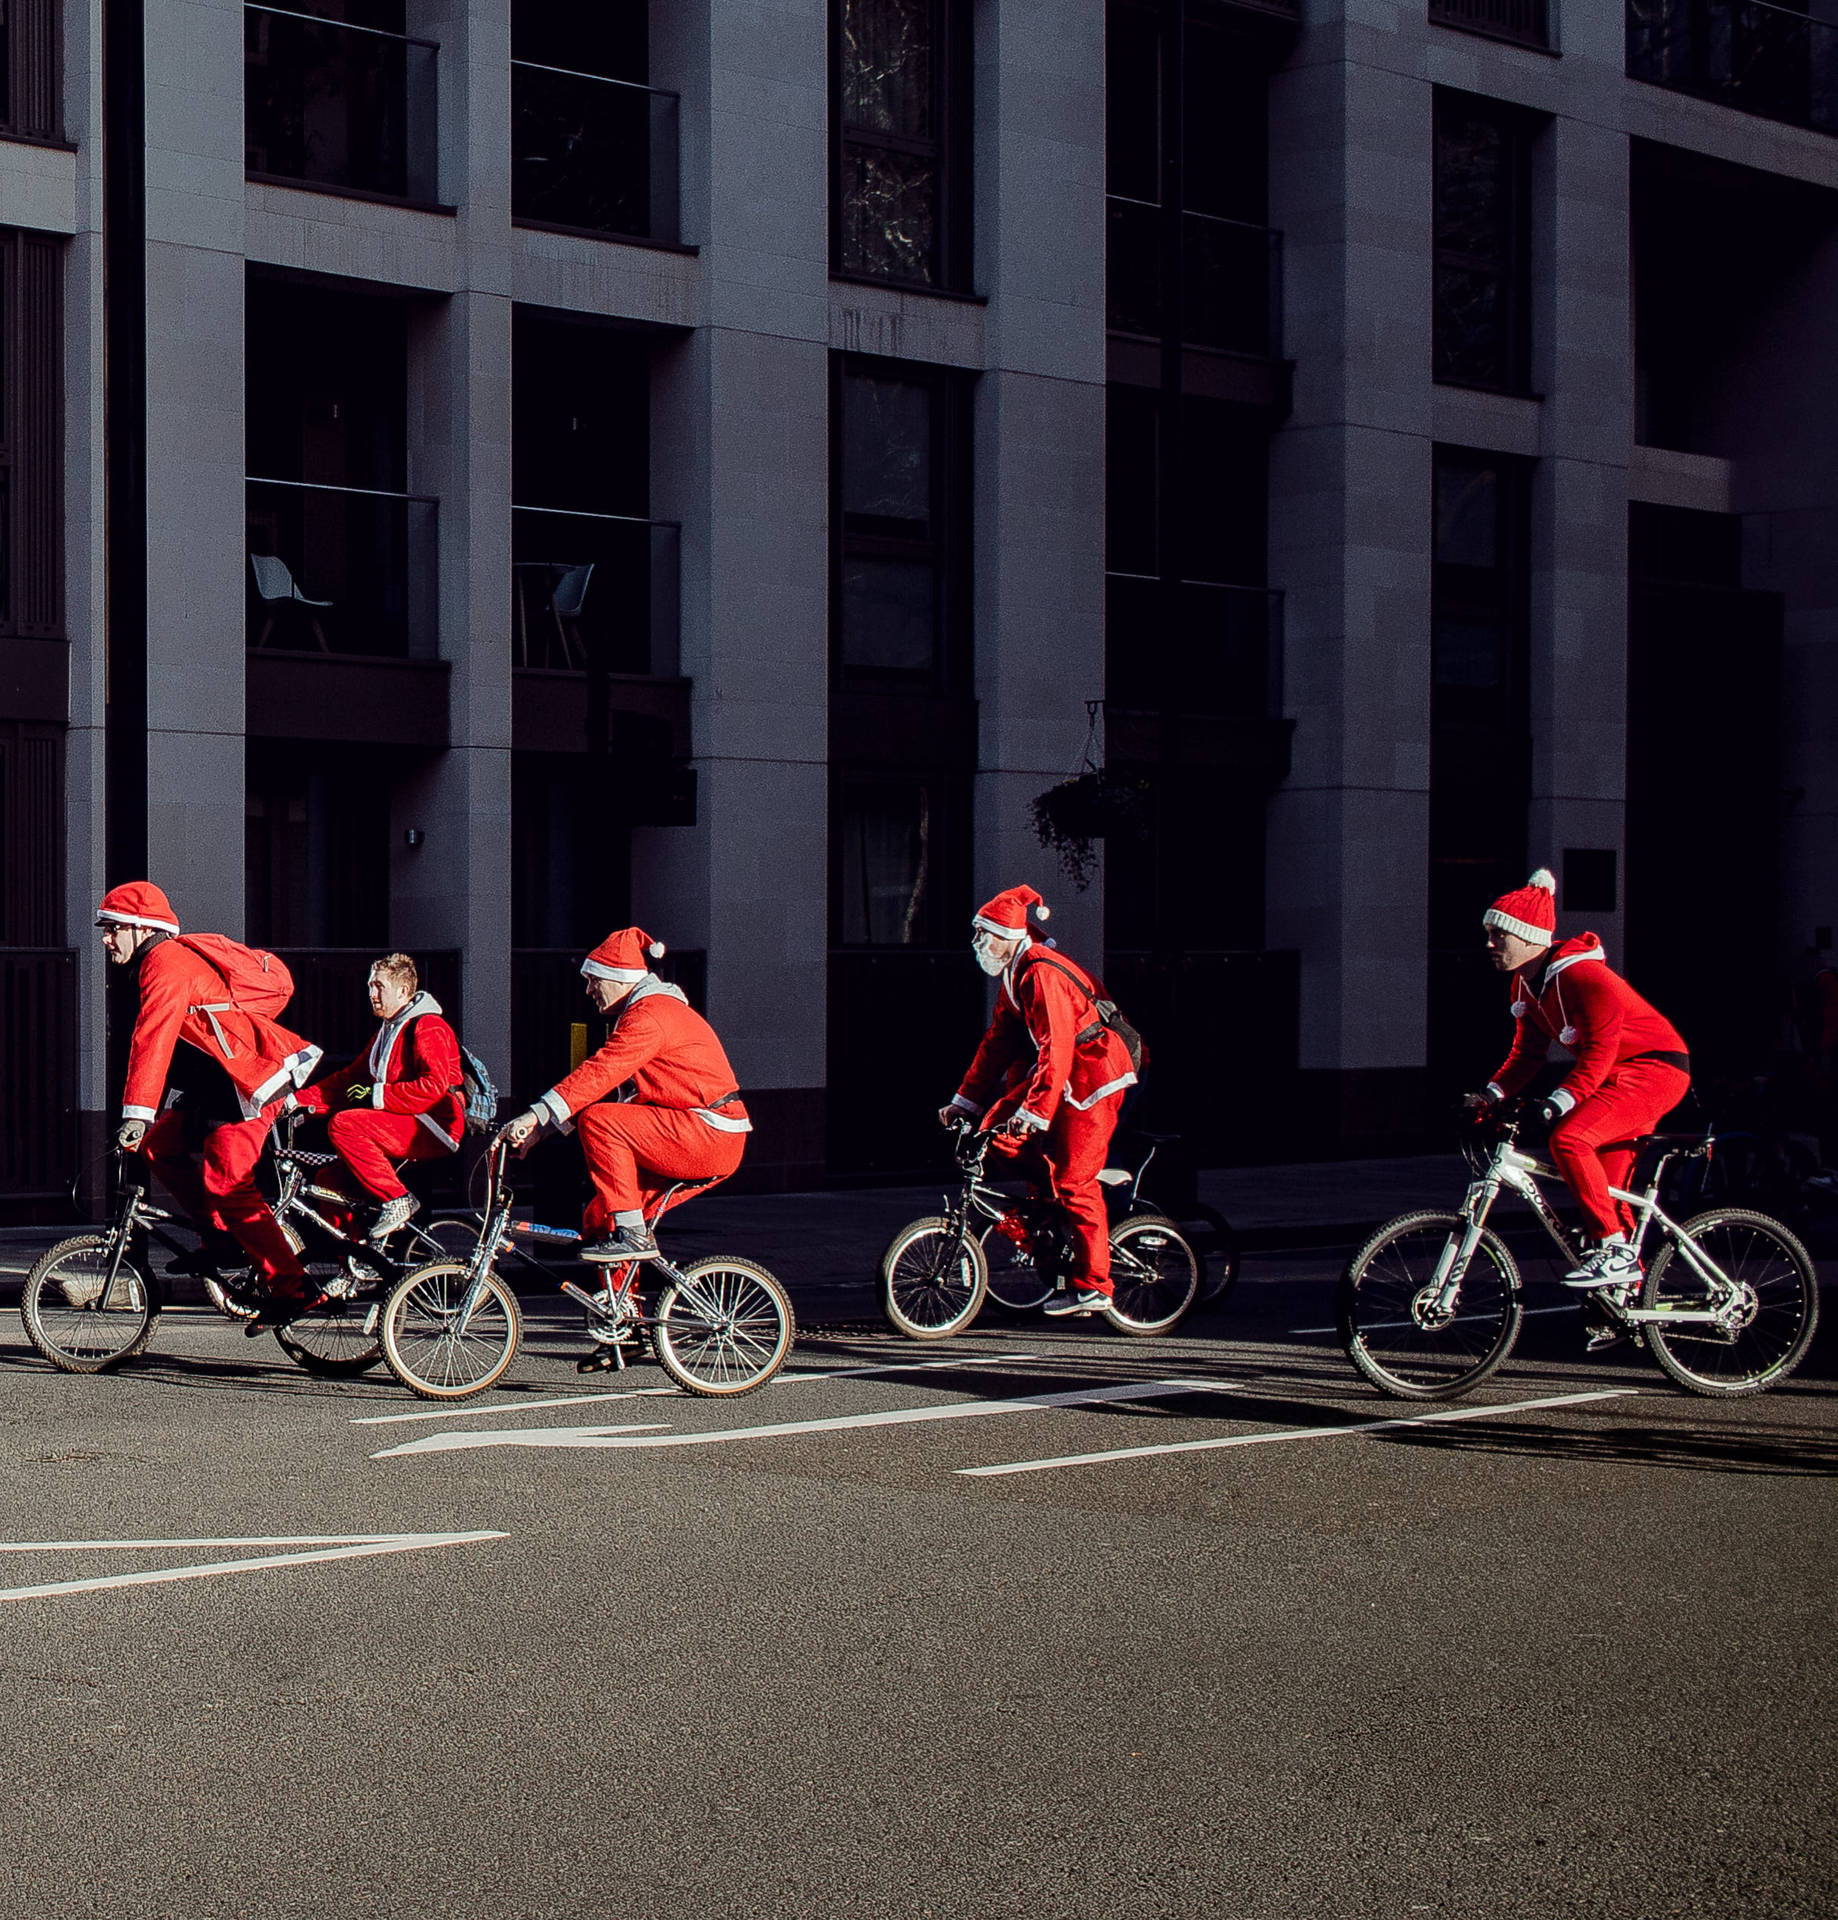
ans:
x=592 y=155
x=1524 y=22
x=346 y=108
x=1231 y=294
x=594 y=635
x=1760 y=59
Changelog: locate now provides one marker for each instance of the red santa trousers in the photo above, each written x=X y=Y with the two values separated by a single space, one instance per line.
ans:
x=218 y=1188
x=1066 y=1161
x=370 y=1142
x=635 y=1152
x=1589 y=1143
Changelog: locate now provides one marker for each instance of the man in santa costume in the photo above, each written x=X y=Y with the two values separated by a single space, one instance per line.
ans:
x=1048 y=1080
x=1630 y=1067
x=402 y=1099
x=205 y=1080
x=656 y=1105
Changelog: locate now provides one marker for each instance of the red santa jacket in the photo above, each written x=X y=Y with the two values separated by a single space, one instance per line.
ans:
x=412 y=1066
x=1589 y=1009
x=1045 y=1044
x=665 y=1054
x=184 y=998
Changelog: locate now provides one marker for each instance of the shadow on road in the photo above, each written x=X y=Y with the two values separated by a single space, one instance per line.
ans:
x=1778 y=1451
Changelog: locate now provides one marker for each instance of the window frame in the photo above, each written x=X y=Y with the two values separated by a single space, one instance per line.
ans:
x=31 y=435
x=949 y=147
x=1519 y=129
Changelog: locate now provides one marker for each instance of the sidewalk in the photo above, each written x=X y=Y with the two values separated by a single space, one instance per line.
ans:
x=826 y=1246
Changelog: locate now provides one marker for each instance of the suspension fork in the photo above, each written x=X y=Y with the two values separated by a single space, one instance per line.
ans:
x=1452 y=1262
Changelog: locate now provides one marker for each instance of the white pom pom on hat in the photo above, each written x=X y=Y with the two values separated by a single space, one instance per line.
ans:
x=656 y=949
x=1529 y=911
x=1545 y=878
x=1043 y=912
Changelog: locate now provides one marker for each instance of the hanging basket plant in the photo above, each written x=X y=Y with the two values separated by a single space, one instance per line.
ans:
x=1088 y=807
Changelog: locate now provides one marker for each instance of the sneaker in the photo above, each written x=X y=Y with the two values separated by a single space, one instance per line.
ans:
x=1076 y=1300
x=281 y=1309
x=1605 y=1267
x=628 y=1243
x=604 y=1360
x=394 y=1213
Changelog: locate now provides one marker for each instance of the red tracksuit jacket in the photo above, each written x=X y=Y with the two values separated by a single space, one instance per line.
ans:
x=1045 y=1043
x=1587 y=1008
x=412 y=1066
x=184 y=998
x=667 y=1054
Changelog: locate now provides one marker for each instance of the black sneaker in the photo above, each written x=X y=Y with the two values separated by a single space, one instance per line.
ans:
x=283 y=1309
x=207 y=1261
x=1076 y=1300
x=629 y=1243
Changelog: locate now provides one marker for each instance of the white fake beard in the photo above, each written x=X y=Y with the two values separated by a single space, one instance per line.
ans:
x=990 y=964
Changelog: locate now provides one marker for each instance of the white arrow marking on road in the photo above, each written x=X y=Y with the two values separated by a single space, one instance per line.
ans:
x=953 y=1410
x=328 y=1547
x=537 y=1403
x=1296 y=1433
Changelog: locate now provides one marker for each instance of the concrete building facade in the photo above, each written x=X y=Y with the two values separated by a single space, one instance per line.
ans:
x=719 y=464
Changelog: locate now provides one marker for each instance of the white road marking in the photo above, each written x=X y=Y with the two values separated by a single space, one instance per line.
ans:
x=1570 y=1307
x=1296 y=1433
x=321 y=1547
x=907 y=1416
x=535 y=1403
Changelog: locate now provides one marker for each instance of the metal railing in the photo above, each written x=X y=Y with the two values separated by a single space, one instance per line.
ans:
x=1527 y=21
x=1231 y=279
x=38 y=1071
x=595 y=590
x=593 y=153
x=338 y=105
x=342 y=569
x=1760 y=59
x=1190 y=646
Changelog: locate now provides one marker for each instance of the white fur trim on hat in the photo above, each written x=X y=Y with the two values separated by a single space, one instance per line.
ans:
x=598 y=970
x=1539 y=936
x=106 y=915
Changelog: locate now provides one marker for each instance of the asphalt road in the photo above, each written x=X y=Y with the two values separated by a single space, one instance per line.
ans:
x=1565 y=1660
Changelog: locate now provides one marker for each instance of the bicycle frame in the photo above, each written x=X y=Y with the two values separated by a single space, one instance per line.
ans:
x=1512 y=1170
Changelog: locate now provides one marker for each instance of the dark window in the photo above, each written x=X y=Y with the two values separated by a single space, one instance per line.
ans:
x=315 y=850
x=31 y=435
x=892 y=859
x=31 y=35
x=1482 y=332
x=1589 y=880
x=1521 y=20
x=900 y=101
x=31 y=834
x=901 y=496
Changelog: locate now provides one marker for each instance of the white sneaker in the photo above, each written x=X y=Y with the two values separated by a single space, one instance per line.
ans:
x=1076 y=1299
x=395 y=1213
x=1606 y=1267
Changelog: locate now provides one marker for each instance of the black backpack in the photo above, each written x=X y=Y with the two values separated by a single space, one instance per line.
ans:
x=1110 y=1019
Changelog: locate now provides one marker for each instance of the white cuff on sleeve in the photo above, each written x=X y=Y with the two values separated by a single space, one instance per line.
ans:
x=1563 y=1100
x=139 y=1113
x=1032 y=1121
x=1495 y=1090
x=963 y=1105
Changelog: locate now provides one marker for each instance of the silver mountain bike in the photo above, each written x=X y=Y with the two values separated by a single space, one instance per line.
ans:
x=1430 y=1306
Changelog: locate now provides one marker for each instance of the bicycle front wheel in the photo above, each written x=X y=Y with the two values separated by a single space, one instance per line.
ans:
x=425 y=1344
x=724 y=1328
x=337 y=1341
x=1154 y=1275
x=1394 y=1324
x=1762 y=1333
x=78 y=1318
x=932 y=1280
x=1017 y=1279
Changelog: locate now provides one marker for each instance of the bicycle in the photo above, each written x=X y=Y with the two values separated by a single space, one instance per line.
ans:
x=91 y=1302
x=938 y=1271
x=722 y=1326
x=1430 y=1306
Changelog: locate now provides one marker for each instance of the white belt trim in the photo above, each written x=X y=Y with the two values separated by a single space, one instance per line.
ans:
x=439 y=1132
x=720 y=1121
x=1091 y=1100
x=210 y=1013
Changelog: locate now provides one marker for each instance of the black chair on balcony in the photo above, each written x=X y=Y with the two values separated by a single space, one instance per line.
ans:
x=567 y=595
x=276 y=588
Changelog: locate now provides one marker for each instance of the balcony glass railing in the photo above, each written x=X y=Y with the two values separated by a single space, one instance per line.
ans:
x=1190 y=646
x=1526 y=21
x=337 y=105
x=342 y=570
x=1231 y=279
x=594 y=590
x=593 y=153
x=1762 y=59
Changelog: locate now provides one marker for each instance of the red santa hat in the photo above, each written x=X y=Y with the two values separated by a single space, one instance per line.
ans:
x=623 y=956
x=1529 y=911
x=1006 y=916
x=137 y=903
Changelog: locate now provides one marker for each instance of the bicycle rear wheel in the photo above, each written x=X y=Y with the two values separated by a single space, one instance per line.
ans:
x=1388 y=1317
x=427 y=1348
x=342 y=1338
x=932 y=1280
x=79 y=1320
x=1018 y=1280
x=725 y=1328
x=1154 y=1275
x=1769 y=1325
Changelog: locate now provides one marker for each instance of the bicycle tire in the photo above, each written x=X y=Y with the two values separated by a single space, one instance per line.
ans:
x=927 y=1293
x=61 y=1307
x=1382 y=1294
x=1017 y=1283
x=342 y=1338
x=1216 y=1286
x=424 y=1350
x=724 y=1328
x=1155 y=1275
x=1782 y=1311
